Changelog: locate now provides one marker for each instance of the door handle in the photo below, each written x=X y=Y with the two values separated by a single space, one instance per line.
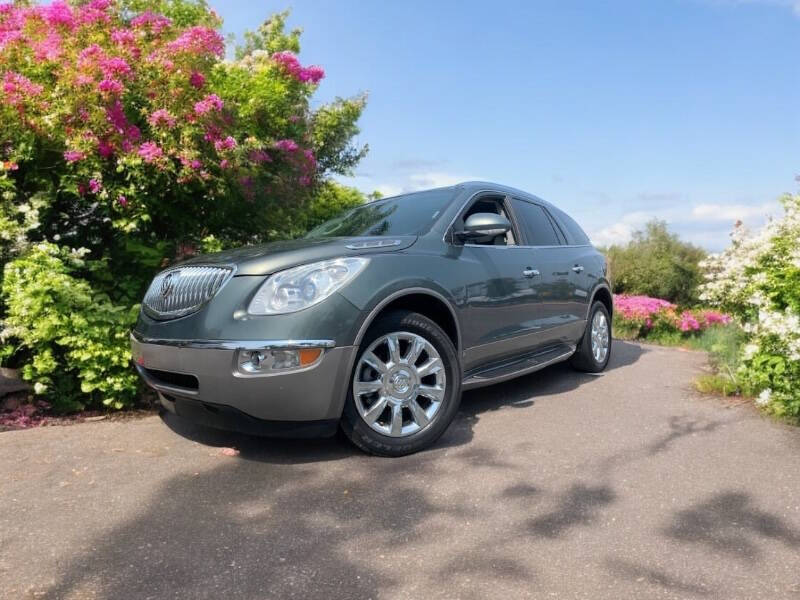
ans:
x=530 y=273
x=577 y=268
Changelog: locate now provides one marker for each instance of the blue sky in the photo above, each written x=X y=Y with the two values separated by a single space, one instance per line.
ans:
x=617 y=111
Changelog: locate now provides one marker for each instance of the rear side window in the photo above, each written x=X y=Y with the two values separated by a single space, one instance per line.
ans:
x=574 y=231
x=536 y=224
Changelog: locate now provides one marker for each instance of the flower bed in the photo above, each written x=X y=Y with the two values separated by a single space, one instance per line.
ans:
x=641 y=317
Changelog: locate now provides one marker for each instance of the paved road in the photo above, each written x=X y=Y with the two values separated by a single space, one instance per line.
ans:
x=557 y=485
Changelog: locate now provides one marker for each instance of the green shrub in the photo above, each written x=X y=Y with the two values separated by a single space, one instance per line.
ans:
x=76 y=340
x=656 y=263
x=758 y=280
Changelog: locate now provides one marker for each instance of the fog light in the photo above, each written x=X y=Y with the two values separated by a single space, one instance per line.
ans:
x=264 y=361
x=285 y=359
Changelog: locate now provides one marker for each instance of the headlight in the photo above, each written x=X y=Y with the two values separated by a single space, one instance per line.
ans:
x=298 y=288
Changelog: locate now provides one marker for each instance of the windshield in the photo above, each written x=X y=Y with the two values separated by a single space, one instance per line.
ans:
x=411 y=214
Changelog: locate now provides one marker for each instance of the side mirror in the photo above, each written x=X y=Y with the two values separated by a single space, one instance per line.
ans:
x=484 y=225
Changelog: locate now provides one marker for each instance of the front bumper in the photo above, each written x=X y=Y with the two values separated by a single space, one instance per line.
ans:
x=191 y=374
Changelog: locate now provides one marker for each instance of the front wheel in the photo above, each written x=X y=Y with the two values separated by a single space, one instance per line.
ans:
x=594 y=349
x=405 y=387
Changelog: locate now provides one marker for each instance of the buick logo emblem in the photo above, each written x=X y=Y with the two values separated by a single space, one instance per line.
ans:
x=167 y=285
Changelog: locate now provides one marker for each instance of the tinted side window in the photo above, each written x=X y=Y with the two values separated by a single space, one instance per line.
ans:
x=538 y=228
x=579 y=238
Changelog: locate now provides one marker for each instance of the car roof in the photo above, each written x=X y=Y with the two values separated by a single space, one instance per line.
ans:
x=479 y=186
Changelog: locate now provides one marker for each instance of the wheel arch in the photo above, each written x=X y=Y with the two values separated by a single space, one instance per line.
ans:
x=425 y=301
x=603 y=294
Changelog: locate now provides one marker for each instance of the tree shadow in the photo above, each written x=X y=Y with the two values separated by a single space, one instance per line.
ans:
x=248 y=529
x=640 y=573
x=577 y=506
x=729 y=523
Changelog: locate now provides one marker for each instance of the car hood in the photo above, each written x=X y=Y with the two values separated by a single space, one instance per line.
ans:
x=269 y=258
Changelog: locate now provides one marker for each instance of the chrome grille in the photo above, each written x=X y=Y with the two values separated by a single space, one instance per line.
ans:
x=183 y=290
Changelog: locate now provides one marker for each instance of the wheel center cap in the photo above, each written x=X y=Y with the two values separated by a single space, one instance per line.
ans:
x=400 y=382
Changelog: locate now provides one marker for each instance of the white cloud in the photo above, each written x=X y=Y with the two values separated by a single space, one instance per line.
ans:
x=707 y=225
x=731 y=212
x=411 y=182
x=621 y=231
x=437 y=179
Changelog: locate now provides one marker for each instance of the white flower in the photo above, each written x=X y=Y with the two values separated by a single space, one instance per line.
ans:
x=750 y=351
x=764 y=397
x=39 y=388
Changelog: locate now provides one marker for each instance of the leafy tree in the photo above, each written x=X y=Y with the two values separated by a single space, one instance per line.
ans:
x=657 y=263
x=125 y=136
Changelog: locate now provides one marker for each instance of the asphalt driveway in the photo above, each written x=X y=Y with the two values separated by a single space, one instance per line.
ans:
x=557 y=485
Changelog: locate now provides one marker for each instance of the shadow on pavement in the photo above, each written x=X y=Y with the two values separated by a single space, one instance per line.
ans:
x=518 y=393
x=728 y=523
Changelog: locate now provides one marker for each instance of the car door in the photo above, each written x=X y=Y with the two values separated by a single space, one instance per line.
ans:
x=555 y=317
x=496 y=290
x=586 y=269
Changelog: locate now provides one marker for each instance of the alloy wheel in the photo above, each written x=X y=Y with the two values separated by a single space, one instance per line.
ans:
x=399 y=384
x=600 y=336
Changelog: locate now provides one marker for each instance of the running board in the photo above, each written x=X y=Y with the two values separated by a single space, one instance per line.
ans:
x=517 y=367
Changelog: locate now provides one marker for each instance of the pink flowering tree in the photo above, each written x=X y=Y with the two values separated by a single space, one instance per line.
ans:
x=125 y=134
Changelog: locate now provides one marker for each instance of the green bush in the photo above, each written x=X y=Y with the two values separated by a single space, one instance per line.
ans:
x=78 y=350
x=657 y=263
x=127 y=142
x=757 y=279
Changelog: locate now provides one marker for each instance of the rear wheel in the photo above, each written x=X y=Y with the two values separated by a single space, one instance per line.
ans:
x=594 y=349
x=405 y=387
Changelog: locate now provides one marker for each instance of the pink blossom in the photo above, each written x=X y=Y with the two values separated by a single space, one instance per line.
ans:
x=133 y=133
x=716 y=318
x=224 y=163
x=94 y=12
x=314 y=74
x=123 y=37
x=122 y=200
x=286 y=145
x=292 y=66
x=116 y=116
x=18 y=88
x=198 y=40
x=639 y=306
x=104 y=148
x=259 y=156
x=197 y=79
x=207 y=104
x=115 y=66
x=95 y=186
x=304 y=180
x=191 y=163
x=110 y=86
x=72 y=156
x=227 y=144
x=294 y=118
x=156 y=23
x=49 y=48
x=688 y=322
x=311 y=161
x=161 y=117
x=58 y=14
x=150 y=152
x=84 y=80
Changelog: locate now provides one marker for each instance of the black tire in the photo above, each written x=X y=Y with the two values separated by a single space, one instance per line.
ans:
x=583 y=359
x=373 y=442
